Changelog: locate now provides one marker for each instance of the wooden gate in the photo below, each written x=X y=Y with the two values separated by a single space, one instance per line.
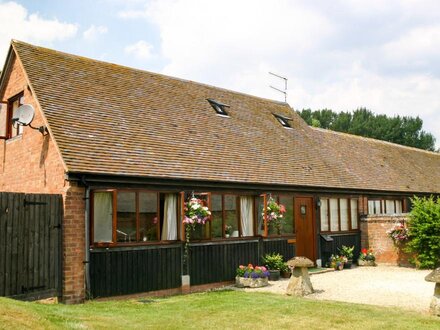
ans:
x=30 y=245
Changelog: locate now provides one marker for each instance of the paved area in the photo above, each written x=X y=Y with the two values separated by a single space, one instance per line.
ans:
x=383 y=286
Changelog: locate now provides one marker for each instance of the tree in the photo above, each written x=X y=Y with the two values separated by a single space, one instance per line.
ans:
x=401 y=130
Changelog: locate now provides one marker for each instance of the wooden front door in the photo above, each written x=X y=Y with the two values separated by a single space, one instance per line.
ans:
x=305 y=228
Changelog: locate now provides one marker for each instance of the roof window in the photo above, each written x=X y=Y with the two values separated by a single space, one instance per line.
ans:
x=283 y=120
x=219 y=107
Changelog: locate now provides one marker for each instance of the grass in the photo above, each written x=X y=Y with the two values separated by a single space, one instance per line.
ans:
x=210 y=310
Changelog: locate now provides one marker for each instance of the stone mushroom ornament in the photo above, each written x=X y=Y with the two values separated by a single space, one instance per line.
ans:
x=434 y=276
x=299 y=283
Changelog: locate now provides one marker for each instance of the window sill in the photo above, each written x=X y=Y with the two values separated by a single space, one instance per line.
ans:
x=15 y=138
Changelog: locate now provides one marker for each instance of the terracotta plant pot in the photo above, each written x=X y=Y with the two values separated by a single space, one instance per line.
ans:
x=286 y=274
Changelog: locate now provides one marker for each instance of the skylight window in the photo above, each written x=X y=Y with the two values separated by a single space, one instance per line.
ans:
x=283 y=120
x=219 y=107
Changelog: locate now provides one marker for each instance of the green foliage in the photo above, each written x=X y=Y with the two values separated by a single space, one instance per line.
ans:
x=347 y=251
x=424 y=232
x=401 y=130
x=208 y=310
x=273 y=261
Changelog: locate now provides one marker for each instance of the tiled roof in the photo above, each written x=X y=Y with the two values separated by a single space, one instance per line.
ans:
x=111 y=119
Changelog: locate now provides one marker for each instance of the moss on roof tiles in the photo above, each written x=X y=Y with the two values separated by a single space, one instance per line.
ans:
x=112 y=119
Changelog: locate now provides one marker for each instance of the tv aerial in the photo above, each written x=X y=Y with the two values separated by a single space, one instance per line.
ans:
x=24 y=115
x=280 y=90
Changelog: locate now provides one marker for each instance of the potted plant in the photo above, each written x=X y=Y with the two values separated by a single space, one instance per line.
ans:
x=366 y=258
x=252 y=277
x=275 y=215
x=398 y=233
x=228 y=231
x=274 y=262
x=337 y=262
x=347 y=252
x=285 y=271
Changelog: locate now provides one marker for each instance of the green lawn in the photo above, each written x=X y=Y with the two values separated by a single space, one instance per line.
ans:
x=211 y=310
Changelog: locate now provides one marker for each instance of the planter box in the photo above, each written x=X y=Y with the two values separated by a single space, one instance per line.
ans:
x=243 y=282
x=366 y=262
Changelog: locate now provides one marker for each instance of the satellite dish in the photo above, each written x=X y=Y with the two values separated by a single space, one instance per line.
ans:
x=23 y=115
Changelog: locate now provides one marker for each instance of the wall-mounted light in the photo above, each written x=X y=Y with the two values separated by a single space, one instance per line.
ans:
x=318 y=203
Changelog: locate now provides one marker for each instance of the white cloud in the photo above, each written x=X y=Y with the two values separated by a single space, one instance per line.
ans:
x=141 y=50
x=16 y=23
x=93 y=32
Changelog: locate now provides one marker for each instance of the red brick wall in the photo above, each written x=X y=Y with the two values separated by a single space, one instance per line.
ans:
x=31 y=163
x=374 y=235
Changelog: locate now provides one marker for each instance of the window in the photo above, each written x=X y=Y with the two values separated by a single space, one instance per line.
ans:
x=7 y=109
x=133 y=216
x=219 y=107
x=3 y=120
x=231 y=215
x=385 y=206
x=339 y=214
x=283 y=120
x=288 y=225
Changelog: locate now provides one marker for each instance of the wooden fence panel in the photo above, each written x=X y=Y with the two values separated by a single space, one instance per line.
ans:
x=30 y=245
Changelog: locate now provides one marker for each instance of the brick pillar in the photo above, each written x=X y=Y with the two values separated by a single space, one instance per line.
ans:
x=74 y=245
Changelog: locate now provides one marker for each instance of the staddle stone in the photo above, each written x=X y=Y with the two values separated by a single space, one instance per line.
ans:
x=434 y=276
x=299 y=283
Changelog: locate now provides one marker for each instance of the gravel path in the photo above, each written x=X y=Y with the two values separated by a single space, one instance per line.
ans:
x=383 y=286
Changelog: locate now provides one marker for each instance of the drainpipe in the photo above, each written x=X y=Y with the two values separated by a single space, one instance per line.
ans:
x=87 y=235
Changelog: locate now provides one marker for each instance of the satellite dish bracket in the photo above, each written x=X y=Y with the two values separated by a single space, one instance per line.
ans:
x=42 y=129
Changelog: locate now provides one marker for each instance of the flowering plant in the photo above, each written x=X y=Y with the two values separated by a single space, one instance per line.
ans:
x=274 y=214
x=250 y=271
x=195 y=213
x=399 y=233
x=228 y=229
x=338 y=259
x=367 y=255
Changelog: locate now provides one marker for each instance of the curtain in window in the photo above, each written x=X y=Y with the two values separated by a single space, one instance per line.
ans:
x=354 y=214
x=247 y=215
x=102 y=216
x=334 y=214
x=169 y=230
x=324 y=215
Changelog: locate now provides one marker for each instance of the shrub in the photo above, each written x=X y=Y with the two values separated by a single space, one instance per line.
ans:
x=347 y=251
x=273 y=261
x=424 y=232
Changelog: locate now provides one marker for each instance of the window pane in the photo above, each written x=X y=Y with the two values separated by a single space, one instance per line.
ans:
x=289 y=223
x=201 y=231
x=324 y=214
x=102 y=216
x=271 y=229
x=390 y=207
x=126 y=216
x=148 y=220
x=216 y=216
x=380 y=208
x=344 y=213
x=247 y=215
x=398 y=206
x=354 y=213
x=334 y=225
x=370 y=207
x=18 y=129
x=3 y=119
x=231 y=216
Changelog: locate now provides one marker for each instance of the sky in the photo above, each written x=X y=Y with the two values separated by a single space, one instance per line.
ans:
x=340 y=55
